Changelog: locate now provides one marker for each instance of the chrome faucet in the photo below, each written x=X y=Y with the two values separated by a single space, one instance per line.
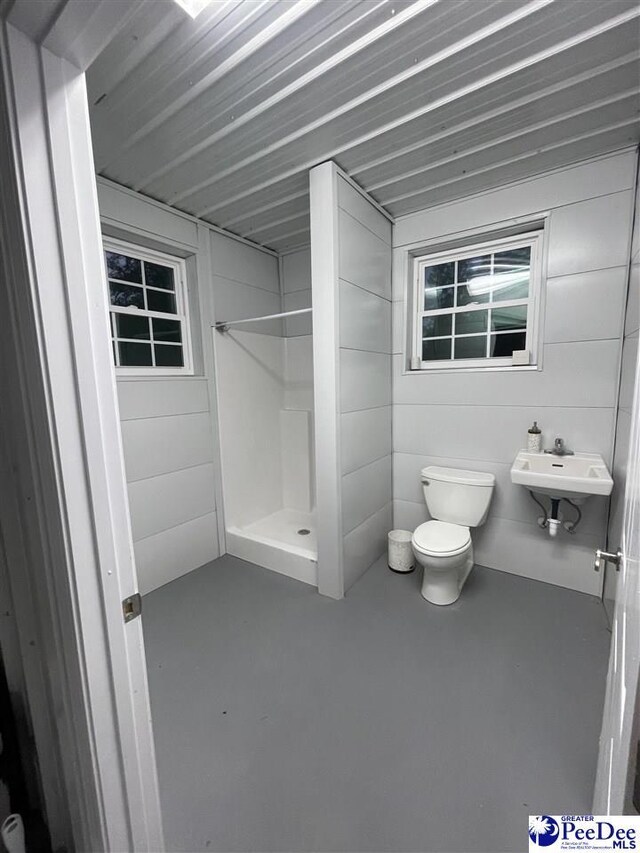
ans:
x=559 y=448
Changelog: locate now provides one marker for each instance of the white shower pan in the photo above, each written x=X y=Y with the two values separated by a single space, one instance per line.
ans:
x=284 y=542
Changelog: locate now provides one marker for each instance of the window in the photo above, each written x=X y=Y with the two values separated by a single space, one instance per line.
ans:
x=476 y=306
x=148 y=311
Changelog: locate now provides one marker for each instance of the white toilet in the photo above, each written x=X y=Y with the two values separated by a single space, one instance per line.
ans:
x=456 y=500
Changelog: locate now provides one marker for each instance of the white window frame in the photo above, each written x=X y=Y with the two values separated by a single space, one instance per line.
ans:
x=182 y=308
x=527 y=358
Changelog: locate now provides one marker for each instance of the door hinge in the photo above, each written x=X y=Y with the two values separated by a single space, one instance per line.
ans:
x=132 y=607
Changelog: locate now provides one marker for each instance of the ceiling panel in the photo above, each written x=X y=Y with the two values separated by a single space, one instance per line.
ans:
x=421 y=101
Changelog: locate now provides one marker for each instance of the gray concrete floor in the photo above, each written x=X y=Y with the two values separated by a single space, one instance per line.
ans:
x=285 y=721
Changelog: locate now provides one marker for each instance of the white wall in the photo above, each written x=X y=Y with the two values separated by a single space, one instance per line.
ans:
x=296 y=291
x=299 y=373
x=169 y=426
x=250 y=375
x=261 y=377
x=245 y=284
x=266 y=443
x=479 y=420
x=168 y=429
x=298 y=455
x=625 y=401
x=364 y=297
x=351 y=263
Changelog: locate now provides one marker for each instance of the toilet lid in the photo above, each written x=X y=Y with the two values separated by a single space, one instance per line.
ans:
x=440 y=537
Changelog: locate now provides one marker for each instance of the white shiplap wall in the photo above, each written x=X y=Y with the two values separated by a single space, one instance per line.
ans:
x=169 y=426
x=296 y=291
x=479 y=420
x=170 y=476
x=168 y=431
x=364 y=309
x=246 y=283
x=625 y=402
x=351 y=263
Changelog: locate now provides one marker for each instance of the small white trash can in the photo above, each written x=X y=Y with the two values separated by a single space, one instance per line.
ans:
x=401 y=557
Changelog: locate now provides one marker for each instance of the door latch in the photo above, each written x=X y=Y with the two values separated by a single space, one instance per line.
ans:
x=607 y=557
x=132 y=607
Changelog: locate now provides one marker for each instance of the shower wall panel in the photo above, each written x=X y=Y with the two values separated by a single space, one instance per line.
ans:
x=351 y=282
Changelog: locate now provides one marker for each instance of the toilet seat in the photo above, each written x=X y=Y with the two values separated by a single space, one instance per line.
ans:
x=440 y=539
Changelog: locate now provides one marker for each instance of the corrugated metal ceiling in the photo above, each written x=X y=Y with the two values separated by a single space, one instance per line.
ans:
x=420 y=102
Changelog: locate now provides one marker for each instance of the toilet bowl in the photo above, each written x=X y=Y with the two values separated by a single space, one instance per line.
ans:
x=446 y=554
x=457 y=500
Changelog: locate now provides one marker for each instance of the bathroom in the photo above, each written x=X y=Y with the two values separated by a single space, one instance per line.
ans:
x=375 y=268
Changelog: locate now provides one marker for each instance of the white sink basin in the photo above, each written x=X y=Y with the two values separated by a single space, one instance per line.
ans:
x=571 y=477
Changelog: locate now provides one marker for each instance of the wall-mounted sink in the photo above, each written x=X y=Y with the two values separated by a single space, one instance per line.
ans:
x=575 y=477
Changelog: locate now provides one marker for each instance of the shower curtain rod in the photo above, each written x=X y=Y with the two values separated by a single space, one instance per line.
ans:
x=224 y=325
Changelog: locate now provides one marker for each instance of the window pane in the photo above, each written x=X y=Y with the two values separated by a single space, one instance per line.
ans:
x=132 y=327
x=471 y=321
x=438 y=298
x=466 y=296
x=158 y=300
x=126 y=296
x=436 y=350
x=509 y=318
x=168 y=356
x=504 y=345
x=134 y=355
x=511 y=272
x=156 y=275
x=474 y=347
x=518 y=258
x=511 y=290
x=436 y=326
x=475 y=271
x=123 y=267
x=471 y=268
x=439 y=275
x=167 y=330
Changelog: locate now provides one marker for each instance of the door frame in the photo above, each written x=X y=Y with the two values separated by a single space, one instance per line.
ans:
x=617 y=756
x=67 y=551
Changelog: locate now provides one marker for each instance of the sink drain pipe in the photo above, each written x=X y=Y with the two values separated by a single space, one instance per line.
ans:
x=552 y=520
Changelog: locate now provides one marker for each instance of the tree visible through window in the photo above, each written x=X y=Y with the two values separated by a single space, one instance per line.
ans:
x=476 y=306
x=148 y=310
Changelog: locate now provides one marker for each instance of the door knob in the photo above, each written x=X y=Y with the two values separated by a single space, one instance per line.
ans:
x=607 y=557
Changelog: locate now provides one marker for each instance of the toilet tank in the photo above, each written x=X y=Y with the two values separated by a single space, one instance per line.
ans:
x=457 y=496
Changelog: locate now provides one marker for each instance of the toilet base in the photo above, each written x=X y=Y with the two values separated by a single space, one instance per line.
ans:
x=444 y=587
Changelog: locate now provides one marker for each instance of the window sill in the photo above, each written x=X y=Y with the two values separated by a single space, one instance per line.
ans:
x=453 y=371
x=123 y=374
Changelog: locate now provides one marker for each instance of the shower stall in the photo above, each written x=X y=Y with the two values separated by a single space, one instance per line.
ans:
x=304 y=401
x=264 y=381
